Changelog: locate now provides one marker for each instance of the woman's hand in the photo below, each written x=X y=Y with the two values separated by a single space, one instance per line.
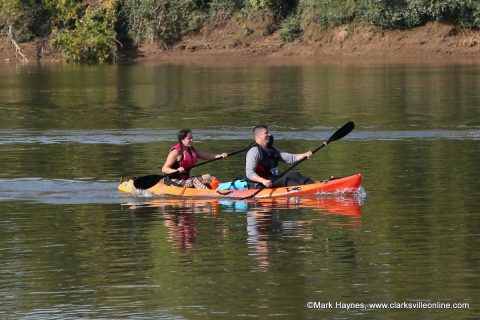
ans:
x=221 y=155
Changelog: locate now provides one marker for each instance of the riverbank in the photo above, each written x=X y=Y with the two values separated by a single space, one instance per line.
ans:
x=236 y=41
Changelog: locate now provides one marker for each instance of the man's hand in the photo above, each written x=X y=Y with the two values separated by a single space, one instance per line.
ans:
x=307 y=155
x=267 y=183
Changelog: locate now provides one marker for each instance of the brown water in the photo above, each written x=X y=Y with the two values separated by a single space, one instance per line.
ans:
x=74 y=247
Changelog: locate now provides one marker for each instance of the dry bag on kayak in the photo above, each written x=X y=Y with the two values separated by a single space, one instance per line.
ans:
x=238 y=184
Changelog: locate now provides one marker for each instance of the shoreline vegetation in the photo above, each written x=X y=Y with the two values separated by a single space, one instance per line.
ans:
x=95 y=31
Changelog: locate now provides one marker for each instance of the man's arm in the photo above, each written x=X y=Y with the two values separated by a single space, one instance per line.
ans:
x=291 y=158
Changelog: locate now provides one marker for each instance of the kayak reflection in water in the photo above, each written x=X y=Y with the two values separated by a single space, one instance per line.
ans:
x=262 y=159
x=182 y=157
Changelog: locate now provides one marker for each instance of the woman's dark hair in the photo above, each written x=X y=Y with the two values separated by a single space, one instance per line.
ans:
x=182 y=134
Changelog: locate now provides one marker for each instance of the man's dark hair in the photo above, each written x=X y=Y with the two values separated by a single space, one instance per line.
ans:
x=257 y=128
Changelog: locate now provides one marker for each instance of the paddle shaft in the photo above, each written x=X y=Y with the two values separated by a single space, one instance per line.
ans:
x=340 y=133
x=211 y=160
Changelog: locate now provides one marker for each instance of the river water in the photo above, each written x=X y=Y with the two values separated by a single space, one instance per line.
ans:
x=74 y=247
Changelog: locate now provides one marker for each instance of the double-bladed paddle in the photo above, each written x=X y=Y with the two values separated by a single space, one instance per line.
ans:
x=149 y=181
x=340 y=133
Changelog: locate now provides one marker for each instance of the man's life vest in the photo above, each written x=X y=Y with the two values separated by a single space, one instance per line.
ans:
x=188 y=159
x=267 y=166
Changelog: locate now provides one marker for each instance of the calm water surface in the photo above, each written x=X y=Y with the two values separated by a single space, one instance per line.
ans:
x=73 y=247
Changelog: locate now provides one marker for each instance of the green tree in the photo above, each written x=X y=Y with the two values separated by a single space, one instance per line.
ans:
x=410 y=13
x=24 y=17
x=87 y=31
x=161 y=20
x=328 y=13
x=88 y=37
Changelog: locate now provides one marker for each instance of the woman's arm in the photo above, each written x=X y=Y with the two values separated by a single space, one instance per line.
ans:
x=210 y=156
x=172 y=158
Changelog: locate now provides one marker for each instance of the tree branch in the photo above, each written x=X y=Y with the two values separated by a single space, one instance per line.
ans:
x=18 y=50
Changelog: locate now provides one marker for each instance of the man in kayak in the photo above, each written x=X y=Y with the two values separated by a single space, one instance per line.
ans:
x=182 y=157
x=262 y=162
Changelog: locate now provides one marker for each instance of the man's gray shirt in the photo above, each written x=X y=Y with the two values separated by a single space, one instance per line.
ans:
x=253 y=158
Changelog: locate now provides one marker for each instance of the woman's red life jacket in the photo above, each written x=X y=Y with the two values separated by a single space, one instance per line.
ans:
x=187 y=160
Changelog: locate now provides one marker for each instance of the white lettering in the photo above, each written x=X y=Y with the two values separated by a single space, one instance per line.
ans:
x=386 y=305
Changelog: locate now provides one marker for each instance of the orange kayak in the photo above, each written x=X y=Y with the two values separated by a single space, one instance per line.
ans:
x=348 y=184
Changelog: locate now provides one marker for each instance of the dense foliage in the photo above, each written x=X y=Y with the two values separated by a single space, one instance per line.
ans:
x=90 y=38
x=93 y=30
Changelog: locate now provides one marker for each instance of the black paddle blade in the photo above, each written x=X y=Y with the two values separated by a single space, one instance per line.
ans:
x=342 y=132
x=146 y=182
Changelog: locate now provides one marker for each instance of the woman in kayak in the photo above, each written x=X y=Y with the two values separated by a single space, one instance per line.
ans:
x=262 y=162
x=182 y=157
